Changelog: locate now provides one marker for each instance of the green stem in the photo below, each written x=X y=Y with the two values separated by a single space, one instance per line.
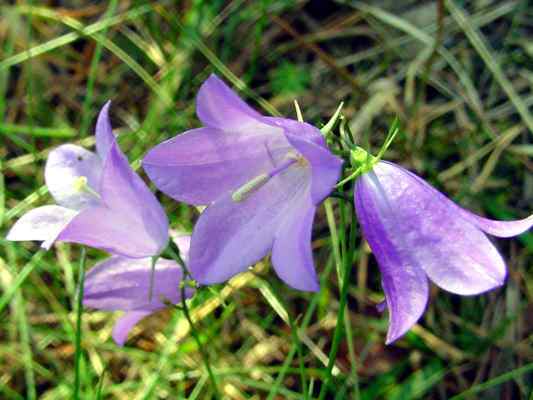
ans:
x=201 y=348
x=100 y=385
x=347 y=323
x=303 y=326
x=297 y=345
x=296 y=341
x=347 y=256
x=326 y=129
x=345 y=236
x=79 y=312
x=350 y=177
x=152 y=277
x=391 y=135
x=175 y=253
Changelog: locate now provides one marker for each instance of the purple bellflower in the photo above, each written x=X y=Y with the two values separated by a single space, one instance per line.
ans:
x=101 y=202
x=416 y=233
x=262 y=178
x=120 y=283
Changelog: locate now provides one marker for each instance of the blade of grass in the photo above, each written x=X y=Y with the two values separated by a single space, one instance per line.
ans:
x=181 y=328
x=494 y=382
x=2 y=196
x=330 y=216
x=79 y=314
x=428 y=40
x=419 y=383
x=28 y=81
x=195 y=393
x=506 y=137
x=217 y=63
x=72 y=36
x=485 y=52
x=201 y=347
x=24 y=204
x=37 y=131
x=305 y=323
x=26 y=159
x=110 y=45
x=20 y=279
x=265 y=386
x=24 y=330
x=347 y=323
x=86 y=115
x=346 y=258
x=19 y=308
x=7 y=50
x=276 y=303
x=165 y=353
x=100 y=385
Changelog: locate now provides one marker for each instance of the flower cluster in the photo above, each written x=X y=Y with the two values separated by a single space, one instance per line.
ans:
x=262 y=179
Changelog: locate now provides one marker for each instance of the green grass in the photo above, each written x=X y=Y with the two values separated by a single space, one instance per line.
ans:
x=463 y=98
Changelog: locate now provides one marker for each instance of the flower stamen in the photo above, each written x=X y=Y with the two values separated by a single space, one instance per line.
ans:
x=81 y=185
x=252 y=185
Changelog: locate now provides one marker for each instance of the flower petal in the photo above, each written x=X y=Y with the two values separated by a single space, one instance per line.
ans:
x=454 y=253
x=218 y=106
x=64 y=166
x=298 y=129
x=125 y=324
x=200 y=165
x=497 y=228
x=325 y=167
x=129 y=222
x=292 y=256
x=104 y=133
x=232 y=235
x=183 y=241
x=42 y=223
x=120 y=283
x=404 y=282
x=502 y=229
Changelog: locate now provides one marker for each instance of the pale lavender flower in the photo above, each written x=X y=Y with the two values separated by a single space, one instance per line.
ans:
x=101 y=202
x=416 y=233
x=262 y=178
x=123 y=284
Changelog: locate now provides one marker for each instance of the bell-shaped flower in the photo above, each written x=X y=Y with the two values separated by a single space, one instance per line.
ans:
x=262 y=178
x=101 y=201
x=123 y=284
x=416 y=233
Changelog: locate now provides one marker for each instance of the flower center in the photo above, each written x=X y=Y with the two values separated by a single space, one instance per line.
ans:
x=81 y=185
x=252 y=185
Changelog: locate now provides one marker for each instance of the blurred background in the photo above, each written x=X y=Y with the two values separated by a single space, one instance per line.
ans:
x=457 y=74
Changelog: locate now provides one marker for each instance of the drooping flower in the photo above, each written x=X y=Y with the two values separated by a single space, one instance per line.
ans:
x=101 y=202
x=262 y=177
x=123 y=284
x=416 y=233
